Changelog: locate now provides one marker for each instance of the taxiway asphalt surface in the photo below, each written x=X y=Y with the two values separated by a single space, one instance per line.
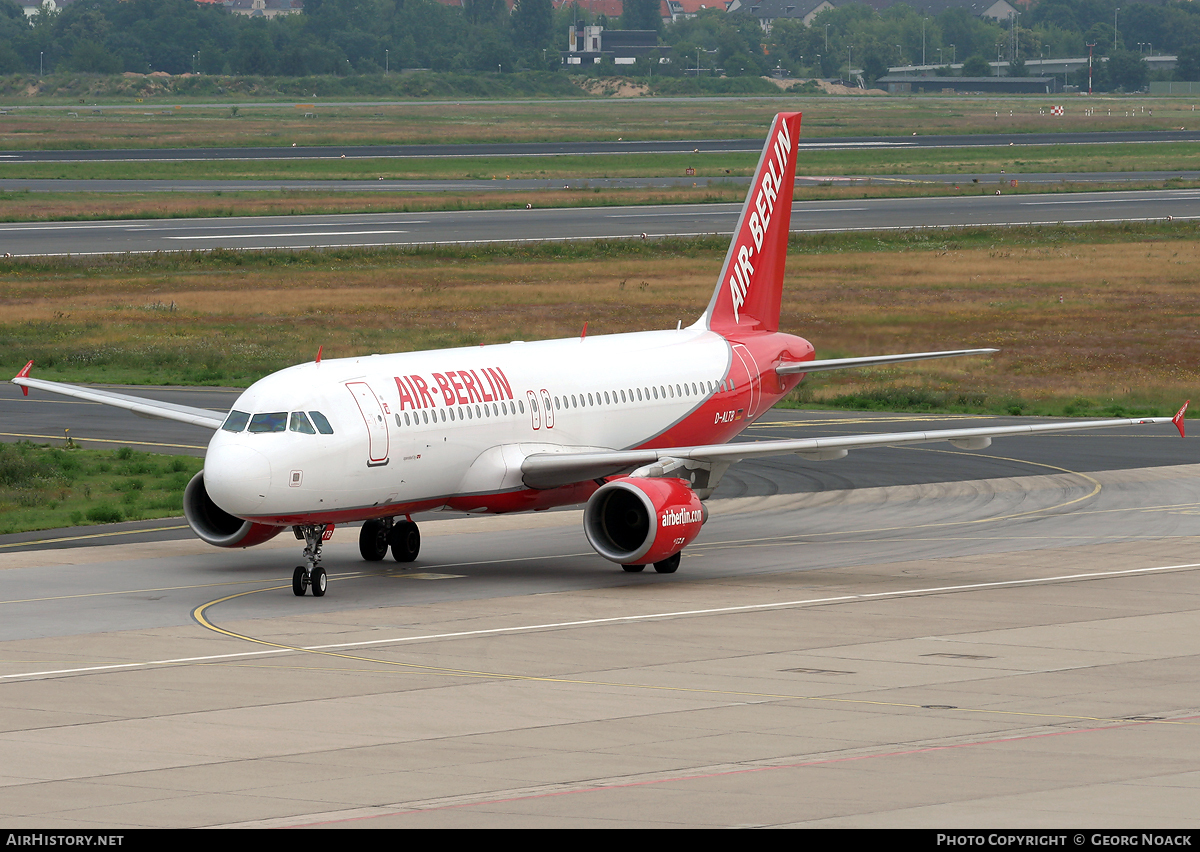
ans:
x=500 y=226
x=1007 y=643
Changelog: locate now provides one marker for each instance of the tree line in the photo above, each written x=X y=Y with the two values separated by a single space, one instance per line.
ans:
x=363 y=37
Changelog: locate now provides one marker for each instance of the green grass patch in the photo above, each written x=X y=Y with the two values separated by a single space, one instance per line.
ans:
x=44 y=487
x=1167 y=156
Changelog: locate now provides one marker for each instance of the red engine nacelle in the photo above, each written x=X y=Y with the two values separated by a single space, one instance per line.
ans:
x=636 y=521
x=215 y=525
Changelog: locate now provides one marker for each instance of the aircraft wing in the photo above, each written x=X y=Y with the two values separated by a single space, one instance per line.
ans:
x=549 y=470
x=136 y=404
x=872 y=361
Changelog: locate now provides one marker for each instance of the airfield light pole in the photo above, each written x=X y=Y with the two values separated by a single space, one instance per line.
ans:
x=1089 y=47
x=1115 y=12
x=40 y=54
x=827 y=38
x=953 y=53
x=387 y=61
x=922 y=42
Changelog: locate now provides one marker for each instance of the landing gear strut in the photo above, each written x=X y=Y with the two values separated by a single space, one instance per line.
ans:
x=311 y=574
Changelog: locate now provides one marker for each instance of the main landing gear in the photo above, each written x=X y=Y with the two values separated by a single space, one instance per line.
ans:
x=668 y=566
x=310 y=574
x=378 y=536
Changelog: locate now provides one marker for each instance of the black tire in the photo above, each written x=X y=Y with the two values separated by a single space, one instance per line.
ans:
x=298 y=581
x=373 y=541
x=405 y=540
x=668 y=566
x=319 y=582
x=633 y=569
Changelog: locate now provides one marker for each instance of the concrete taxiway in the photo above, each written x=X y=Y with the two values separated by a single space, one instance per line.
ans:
x=1011 y=644
x=500 y=226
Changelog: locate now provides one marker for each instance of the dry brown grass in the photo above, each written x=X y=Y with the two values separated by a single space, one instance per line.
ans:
x=1109 y=321
x=1115 y=321
x=36 y=206
x=158 y=124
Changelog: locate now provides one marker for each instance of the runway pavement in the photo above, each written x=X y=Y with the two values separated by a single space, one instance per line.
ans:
x=500 y=226
x=1009 y=651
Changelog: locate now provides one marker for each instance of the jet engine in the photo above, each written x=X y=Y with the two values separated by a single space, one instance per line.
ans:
x=215 y=525
x=638 y=520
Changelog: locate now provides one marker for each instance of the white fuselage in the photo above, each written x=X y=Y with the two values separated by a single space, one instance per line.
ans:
x=419 y=430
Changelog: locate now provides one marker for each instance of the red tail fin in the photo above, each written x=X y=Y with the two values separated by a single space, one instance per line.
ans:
x=751 y=284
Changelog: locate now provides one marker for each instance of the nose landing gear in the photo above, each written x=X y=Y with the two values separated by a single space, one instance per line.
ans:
x=311 y=574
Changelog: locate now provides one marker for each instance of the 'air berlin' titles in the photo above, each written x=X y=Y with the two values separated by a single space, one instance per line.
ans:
x=456 y=387
x=672 y=519
x=741 y=271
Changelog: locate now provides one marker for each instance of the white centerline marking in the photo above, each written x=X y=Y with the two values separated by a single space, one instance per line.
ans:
x=624 y=619
x=663 y=215
x=283 y=236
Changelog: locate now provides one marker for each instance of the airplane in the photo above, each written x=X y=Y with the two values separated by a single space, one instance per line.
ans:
x=636 y=427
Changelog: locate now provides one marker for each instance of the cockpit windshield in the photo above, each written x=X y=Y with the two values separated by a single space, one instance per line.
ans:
x=299 y=423
x=236 y=421
x=276 y=421
x=322 y=424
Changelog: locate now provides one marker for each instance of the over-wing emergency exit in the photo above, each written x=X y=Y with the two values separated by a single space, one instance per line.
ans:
x=634 y=426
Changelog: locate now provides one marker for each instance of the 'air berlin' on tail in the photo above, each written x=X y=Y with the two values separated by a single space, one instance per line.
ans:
x=748 y=293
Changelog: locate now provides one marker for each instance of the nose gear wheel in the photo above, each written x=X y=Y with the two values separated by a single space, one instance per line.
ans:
x=310 y=575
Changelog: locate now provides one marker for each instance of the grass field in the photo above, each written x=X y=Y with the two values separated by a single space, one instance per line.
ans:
x=44 y=487
x=158 y=123
x=1181 y=156
x=1087 y=319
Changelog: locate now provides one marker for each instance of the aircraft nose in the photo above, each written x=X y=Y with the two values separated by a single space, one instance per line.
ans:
x=237 y=478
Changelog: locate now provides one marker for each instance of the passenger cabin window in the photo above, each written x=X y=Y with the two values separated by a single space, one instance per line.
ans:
x=275 y=421
x=236 y=421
